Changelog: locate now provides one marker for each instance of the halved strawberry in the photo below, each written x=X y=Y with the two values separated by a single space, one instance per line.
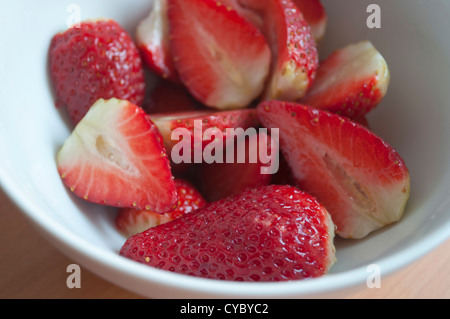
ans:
x=221 y=58
x=115 y=157
x=314 y=13
x=294 y=52
x=351 y=81
x=130 y=221
x=195 y=123
x=361 y=180
x=243 y=170
x=170 y=97
x=152 y=39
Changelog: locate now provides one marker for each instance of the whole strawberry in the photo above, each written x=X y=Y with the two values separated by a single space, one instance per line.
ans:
x=96 y=60
x=269 y=233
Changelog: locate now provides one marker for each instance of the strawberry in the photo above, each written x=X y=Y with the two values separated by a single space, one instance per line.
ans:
x=315 y=15
x=361 y=180
x=294 y=52
x=170 y=97
x=284 y=174
x=130 y=221
x=221 y=58
x=200 y=121
x=152 y=39
x=269 y=233
x=350 y=82
x=312 y=10
x=244 y=170
x=96 y=60
x=115 y=156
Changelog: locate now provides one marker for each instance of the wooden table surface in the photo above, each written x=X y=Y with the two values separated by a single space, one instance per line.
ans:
x=32 y=268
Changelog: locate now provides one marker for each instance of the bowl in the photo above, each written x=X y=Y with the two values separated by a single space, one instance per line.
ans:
x=414 y=118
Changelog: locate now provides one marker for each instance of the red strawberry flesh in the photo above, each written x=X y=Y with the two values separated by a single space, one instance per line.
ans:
x=315 y=15
x=271 y=233
x=169 y=97
x=361 y=180
x=221 y=58
x=152 y=39
x=167 y=123
x=351 y=81
x=93 y=61
x=220 y=180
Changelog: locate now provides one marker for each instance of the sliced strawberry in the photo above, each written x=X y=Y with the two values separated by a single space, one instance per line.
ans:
x=362 y=120
x=284 y=174
x=294 y=52
x=130 y=221
x=115 y=157
x=244 y=170
x=96 y=60
x=169 y=97
x=221 y=58
x=361 y=180
x=351 y=81
x=152 y=39
x=269 y=233
x=200 y=121
x=314 y=13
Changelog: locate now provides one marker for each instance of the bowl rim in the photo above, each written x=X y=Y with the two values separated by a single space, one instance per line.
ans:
x=329 y=284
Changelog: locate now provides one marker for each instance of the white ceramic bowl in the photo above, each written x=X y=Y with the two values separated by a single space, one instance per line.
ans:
x=414 y=118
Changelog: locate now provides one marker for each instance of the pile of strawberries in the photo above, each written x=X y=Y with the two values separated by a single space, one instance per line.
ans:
x=228 y=64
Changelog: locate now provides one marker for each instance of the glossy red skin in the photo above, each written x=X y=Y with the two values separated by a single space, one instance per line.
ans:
x=240 y=238
x=189 y=200
x=221 y=120
x=307 y=133
x=153 y=188
x=220 y=180
x=96 y=60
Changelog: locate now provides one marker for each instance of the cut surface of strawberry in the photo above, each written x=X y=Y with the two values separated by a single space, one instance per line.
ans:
x=315 y=15
x=361 y=180
x=115 y=156
x=244 y=170
x=221 y=58
x=351 y=81
x=97 y=60
x=130 y=221
x=294 y=53
x=269 y=233
x=195 y=123
x=152 y=39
